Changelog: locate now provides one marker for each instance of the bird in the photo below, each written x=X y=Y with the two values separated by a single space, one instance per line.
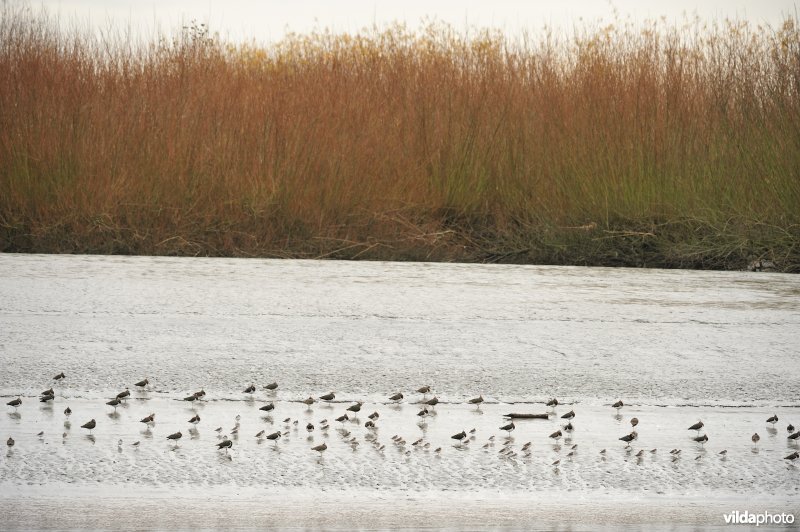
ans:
x=568 y=427
x=460 y=436
x=701 y=439
x=477 y=401
x=628 y=438
x=250 y=389
x=432 y=402
x=794 y=435
x=175 y=437
x=773 y=419
x=723 y=452
x=46 y=398
x=195 y=420
x=310 y=427
x=557 y=462
x=342 y=418
x=309 y=401
x=327 y=397
x=373 y=416
x=48 y=392
x=89 y=425
x=794 y=456
x=67 y=411
x=10 y=442
x=508 y=428
x=790 y=428
x=755 y=438
x=15 y=402
x=396 y=397
x=556 y=435
x=569 y=415
x=618 y=405
x=191 y=398
x=320 y=448
x=640 y=453
x=136 y=443
x=271 y=386
x=148 y=419
x=224 y=444
x=552 y=402
x=697 y=426
x=124 y=394
x=267 y=408
x=603 y=451
x=634 y=421
x=260 y=434
x=114 y=402
x=424 y=389
x=142 y=383
x=274 y=436
x=369 y=424
x=59 y=376
x=423 y=412
x=355 y=408
x=200 y=394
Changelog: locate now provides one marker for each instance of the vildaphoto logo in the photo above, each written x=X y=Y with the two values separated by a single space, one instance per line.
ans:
x=764 y=518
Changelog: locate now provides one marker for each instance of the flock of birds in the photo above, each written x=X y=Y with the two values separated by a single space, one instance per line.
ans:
x=428 y=406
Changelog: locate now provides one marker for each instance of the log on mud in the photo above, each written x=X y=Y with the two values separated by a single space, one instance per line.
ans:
x=527 y=416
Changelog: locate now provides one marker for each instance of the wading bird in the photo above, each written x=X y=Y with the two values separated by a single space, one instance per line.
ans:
x=89 y=425
x=320 y=448
x=508 y=428
x=477 y=401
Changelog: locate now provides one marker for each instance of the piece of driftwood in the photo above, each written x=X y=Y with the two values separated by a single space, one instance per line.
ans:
x=527 y=416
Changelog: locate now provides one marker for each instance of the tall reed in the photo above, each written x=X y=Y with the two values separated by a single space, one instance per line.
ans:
x=655 y=144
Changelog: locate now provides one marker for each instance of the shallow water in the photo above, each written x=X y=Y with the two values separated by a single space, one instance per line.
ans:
x=675 y=346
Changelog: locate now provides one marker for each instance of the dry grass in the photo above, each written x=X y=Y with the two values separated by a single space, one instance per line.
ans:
x=654 y=145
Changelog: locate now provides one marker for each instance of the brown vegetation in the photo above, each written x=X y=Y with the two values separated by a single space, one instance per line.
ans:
x=642 y=146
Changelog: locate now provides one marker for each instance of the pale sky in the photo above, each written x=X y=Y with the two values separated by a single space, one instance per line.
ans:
x=269 y=20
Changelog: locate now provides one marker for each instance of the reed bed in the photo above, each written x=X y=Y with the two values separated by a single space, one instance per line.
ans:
x=638 y=145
